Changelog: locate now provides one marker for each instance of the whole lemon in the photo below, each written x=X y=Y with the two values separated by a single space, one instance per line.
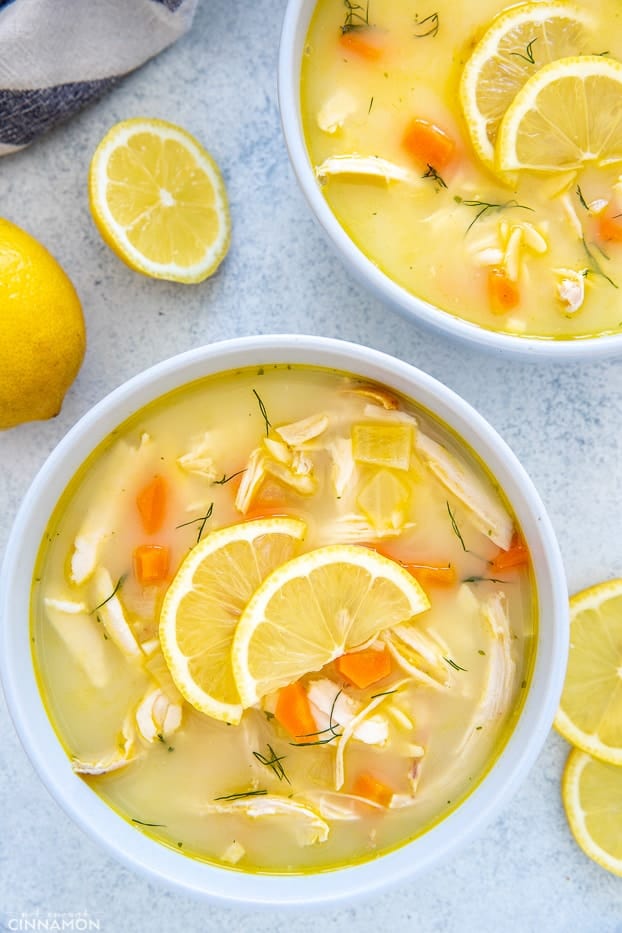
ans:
x=42 y=333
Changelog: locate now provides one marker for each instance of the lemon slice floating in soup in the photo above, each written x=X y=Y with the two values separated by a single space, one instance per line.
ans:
x=517 y=44
x=567 y=114
x=315 y=608
x=205 y=600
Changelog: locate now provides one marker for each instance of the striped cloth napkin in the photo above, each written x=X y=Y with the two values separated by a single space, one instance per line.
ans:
x=56 y=56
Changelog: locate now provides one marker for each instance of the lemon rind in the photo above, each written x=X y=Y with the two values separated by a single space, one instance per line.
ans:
x=571 y=798
x=590 y=598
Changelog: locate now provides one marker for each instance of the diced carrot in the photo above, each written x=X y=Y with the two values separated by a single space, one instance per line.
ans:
x=516 y=556
x=503 y=293
x=431 y=574
x=151 y=503
x=151 y=562
x=428 y=143
x=368 y=786
x=363 y=42
x=293 y=711
x=366 y=667
x=610 y=228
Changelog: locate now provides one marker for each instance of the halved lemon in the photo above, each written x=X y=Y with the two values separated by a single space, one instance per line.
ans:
x=590 y=710
x=202 y=606
x=567 y=114
x=592 y=797
x=518 y=43
x=313 y=609
x=159 y=201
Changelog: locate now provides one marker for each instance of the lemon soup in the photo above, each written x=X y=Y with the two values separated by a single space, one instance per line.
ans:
x=473 y=151
x=283 y=620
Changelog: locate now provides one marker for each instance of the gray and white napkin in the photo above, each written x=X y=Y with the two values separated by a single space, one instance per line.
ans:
x=57 y=56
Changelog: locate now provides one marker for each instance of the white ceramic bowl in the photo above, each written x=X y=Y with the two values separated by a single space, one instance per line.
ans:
x=157 y=861
x=295 y=26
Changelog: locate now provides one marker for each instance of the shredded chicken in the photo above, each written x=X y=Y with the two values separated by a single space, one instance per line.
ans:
x=157 y=718
x=486 y=510
x=571 y=289
x=199 y=459
x=332 y=707
x=419 y=655
x=123 y=755
x=112 y=615
x=369 y=166
x=299 y=432
x=380 y=396
x=354 y=726
x=82 y=635
x=335 y=111
x=103 y=515
x=306 y=825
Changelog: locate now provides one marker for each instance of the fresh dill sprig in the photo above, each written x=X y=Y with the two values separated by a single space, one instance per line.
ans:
x=225 y=479
x=595 y=266
x=489 y=206
x=429 y=25
x=262 y=409
x=161 y=738
x=332 y=728
x=432 y=173
x=117 y=587
x=386 y=693
x=582 y=200
x=357 y=16
x=371 y=104
x=454 y=525
x=327 y=741
x=101 y=622
x=244 y=793
x=484 y=580
x=455 y=666
x=202 y=518
x=274 y=762
x=527 y=55
x=141 y=823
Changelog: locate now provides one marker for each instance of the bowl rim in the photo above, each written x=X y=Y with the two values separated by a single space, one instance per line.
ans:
x=435 y=319
x=172 y=868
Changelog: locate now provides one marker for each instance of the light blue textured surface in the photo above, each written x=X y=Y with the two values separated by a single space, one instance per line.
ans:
x=524 y=873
